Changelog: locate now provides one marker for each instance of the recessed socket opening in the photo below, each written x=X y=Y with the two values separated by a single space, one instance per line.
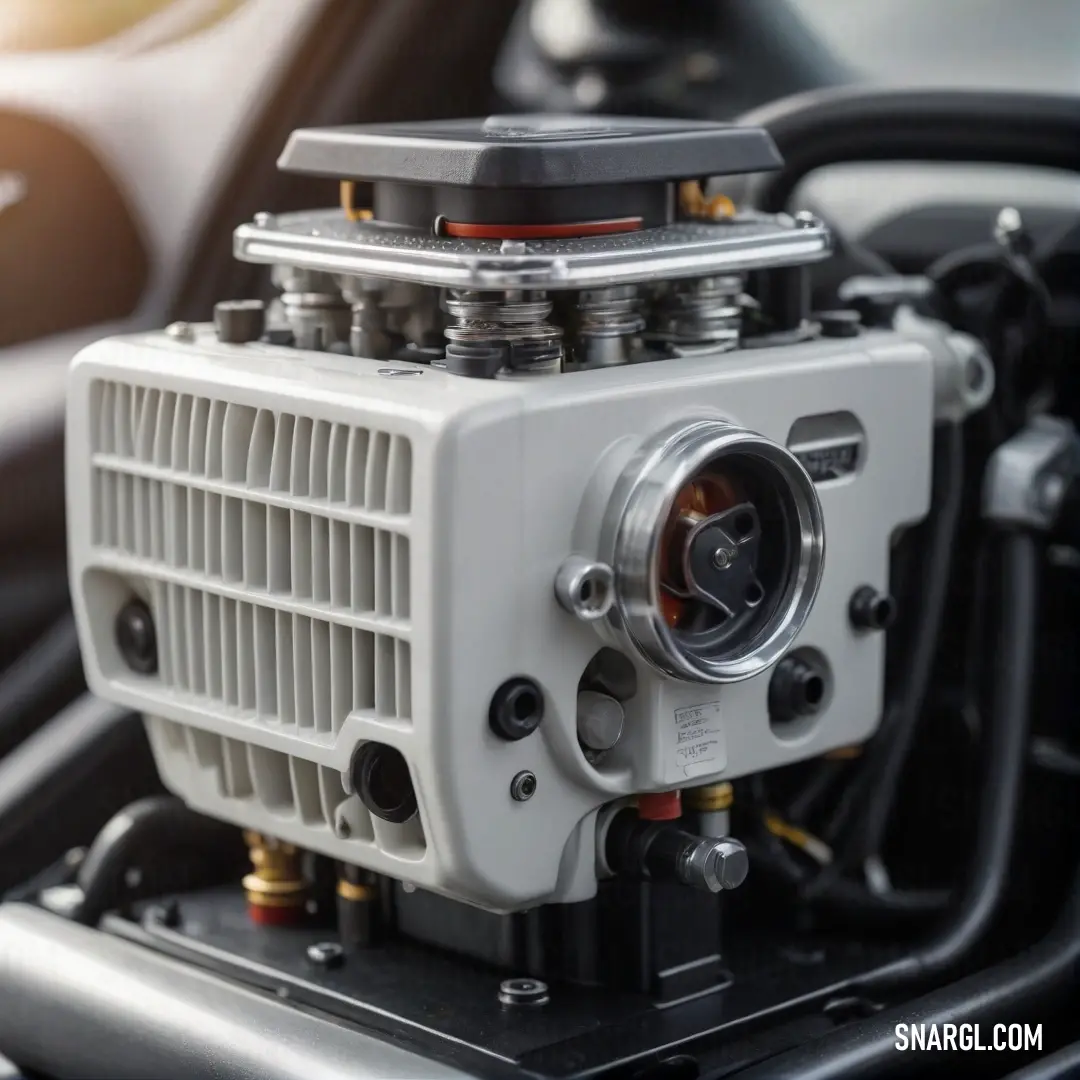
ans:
x=800 y=689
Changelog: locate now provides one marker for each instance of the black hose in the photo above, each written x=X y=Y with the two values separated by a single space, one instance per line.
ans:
x=858 y=123
x=1020 y=988
x=805 y=802
x=155 y=844
x=30 y=598
x=64 y=782
x=1065 y=1063
x=1005 y=741
x=41 y=682
x=849 y=899
x=872 y=792
x=899 y=730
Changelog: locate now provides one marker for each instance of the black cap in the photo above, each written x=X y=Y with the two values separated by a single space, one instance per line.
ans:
x=531 y=151
x=529 y=169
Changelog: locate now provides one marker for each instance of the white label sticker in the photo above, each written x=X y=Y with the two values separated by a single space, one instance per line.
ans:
x=699 y=740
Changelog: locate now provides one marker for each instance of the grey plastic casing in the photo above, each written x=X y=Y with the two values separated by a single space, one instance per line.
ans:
x=333 y=556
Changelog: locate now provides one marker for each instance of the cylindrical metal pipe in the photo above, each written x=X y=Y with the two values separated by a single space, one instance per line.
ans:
x=78 y=1002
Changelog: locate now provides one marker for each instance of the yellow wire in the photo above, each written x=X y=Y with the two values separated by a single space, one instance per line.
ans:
x=348 y=197
x=817 y=849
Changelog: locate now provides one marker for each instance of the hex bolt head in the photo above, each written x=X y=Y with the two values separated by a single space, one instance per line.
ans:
x=729 y=865
x=136 y=637
x=517 y=708
x=326 y=954
x=523 y=786
x=715 y=865
x=523 y=992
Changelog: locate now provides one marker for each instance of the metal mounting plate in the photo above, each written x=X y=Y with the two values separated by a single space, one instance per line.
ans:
x=326 y=240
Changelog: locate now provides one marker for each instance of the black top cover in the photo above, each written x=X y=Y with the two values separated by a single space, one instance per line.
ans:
x=507 y=175
x=532 y=151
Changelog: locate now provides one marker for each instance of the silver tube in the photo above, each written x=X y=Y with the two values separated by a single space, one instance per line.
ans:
x=76 y=1002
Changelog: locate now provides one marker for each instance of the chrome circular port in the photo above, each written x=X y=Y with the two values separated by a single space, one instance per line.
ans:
x=716 y=538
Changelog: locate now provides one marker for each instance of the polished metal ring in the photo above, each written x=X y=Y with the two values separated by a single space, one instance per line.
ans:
x=634 y=522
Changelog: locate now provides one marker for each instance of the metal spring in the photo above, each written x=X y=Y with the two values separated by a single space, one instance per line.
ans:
x=609 y=322
x=516 y=321
x=704 y=312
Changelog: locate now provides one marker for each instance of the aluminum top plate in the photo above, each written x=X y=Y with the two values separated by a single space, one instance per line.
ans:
x=326 y=240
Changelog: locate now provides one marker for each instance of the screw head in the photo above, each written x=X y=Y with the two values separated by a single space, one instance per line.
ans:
x=326 y=954
x=723 y=557
x=264 y=220
x=181 y=331
x=136 y=637
x=523 y=786
x=518 y=992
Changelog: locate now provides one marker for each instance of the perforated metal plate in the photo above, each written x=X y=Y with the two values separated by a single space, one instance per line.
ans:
x=326 y=240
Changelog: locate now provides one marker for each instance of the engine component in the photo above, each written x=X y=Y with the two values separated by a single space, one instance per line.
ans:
x=348 y=571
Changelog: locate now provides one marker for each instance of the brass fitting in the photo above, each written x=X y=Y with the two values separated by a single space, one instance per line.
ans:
x=348 y=198
x=844 y=753
x=349 y=890
x=695 y=203
x=276 y=890
x=710 y=797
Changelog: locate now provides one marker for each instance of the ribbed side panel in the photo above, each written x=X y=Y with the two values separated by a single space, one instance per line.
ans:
x=276 y=551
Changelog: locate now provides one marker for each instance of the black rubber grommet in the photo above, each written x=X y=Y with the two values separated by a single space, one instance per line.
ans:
x=136 y=637
x=517 y=708
x=798 y=688
x=382 y=780
x=871 y=610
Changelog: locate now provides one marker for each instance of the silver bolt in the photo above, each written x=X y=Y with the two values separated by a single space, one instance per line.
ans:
x=523 y=786
x=723 y=557
x=513 y=247
x=1008 y=226
x=715 y=865
x=326 y=954
x=408 y=887
x=265 y=220
x=514 y=992
x=181 y=331
x=394 y=372
x=805 y=220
